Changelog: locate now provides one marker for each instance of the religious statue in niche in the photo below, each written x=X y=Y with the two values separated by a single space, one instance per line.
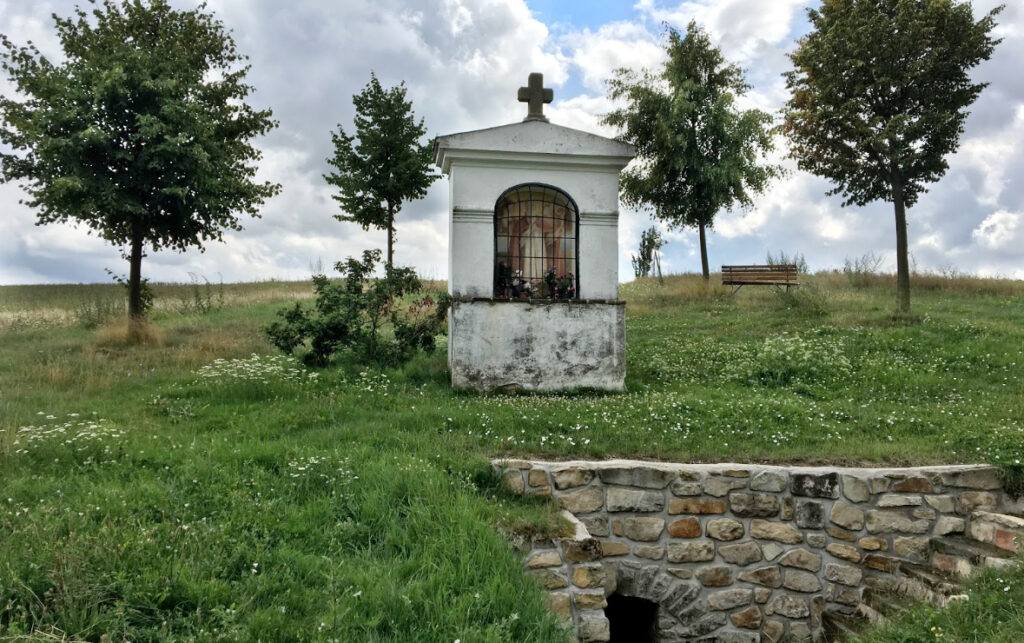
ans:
x=536 y=230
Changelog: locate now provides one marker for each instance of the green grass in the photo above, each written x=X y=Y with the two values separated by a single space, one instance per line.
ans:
x=149 y=496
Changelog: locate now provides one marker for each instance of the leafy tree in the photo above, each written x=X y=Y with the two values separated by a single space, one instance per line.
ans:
x=384 y=164
x=697 y=152
x=140 y=133
x=648 y=261
x=878 y=99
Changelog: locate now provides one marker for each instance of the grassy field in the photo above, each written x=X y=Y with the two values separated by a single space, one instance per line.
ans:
x=204 y=487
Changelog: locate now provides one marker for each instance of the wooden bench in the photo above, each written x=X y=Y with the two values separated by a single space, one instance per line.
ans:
x=777 y=275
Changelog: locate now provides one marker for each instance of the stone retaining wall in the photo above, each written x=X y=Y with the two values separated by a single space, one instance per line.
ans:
x=739 y=553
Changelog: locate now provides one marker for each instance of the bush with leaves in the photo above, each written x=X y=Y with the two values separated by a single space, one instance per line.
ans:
x=355 y=315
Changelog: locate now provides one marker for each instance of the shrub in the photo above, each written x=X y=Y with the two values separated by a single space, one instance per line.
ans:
x=807 y=300
x=782 y=259
x=353 y=316
x=860 y=270
x=200 y=298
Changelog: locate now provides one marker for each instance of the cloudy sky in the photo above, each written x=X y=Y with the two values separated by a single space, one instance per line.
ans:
x=463 y=61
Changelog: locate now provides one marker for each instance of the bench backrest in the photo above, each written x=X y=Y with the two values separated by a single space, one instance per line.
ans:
x=765 y=274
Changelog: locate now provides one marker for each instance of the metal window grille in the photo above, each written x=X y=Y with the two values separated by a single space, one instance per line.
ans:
x=536 y=230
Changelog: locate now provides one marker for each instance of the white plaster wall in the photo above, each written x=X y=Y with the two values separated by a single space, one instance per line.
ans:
x=537 y=347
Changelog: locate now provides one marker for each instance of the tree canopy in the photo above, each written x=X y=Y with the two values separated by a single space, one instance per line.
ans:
x=384 y=163
x=878 y=99
x=697 y=152
x=140 y=133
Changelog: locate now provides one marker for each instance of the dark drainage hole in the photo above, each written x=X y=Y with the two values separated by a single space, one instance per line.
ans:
x=632 y=620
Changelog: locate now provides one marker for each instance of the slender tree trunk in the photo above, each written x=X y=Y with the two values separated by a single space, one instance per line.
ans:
x=902 y=263
x=135 y=311
x=391 y=234
x=704 y=253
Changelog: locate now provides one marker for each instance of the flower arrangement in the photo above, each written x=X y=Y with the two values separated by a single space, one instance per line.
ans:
x=560 y=287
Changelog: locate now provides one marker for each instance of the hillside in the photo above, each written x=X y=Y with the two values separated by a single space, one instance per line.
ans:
x=203 y=486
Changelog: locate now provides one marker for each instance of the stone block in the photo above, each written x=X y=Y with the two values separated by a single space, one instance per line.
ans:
x=801 y=581
x=855 y=489
x=728 y=599
x=594 y=627
x=589 y=576
x=742 y=554
x=844 y=595
x=721 y=486
x=770 y=481
x=686 y=488
x=873 y=544
x=643 y=529
x=846 y=516
x=538 y=478
x=749 y=618
x=788 y=509
x=596 y=525
x=618 y=499
x=560 y=605
x=815 y=486
x=719 y=576
x=613 y=548
x=789 y=606
x=724 y=529
x=945 y=504
x=773 y=631
x=766 y=530
x=691 y=552
x=544 y=559
x=915 y=549
x=765 y=576
x=581 y=551
x=583 y=501
x=616 y=475
x=550 y=579
x=762 y=594
x=802 y=559
x=879 y=484
x=816 y=540
x=800 y=633
x=649 y=552
x=753 y=505
x=693 y=506
x=970 y=501
x=843 y=574
x=571 y=477
x=684 y=528
x=915 y=484
x=887 y=522
x=771 y=550
x=890 y=500
x=846 y=552
x=946 y=525
x=881 y=563
x=512 y=480
x=590 y=600
x=923 y=513
x=651 y=478
x=810 y=514
x=984 y=479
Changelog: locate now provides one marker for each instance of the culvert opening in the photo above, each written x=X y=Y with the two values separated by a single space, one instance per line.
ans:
x=632 y=619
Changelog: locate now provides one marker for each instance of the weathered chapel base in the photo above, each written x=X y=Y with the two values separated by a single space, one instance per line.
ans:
x=737 y=553
x=537 y=344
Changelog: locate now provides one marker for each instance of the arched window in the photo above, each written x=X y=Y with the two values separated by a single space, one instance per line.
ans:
x=536 y=228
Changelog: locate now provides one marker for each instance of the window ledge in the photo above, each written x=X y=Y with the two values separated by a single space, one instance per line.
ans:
x=537 y=301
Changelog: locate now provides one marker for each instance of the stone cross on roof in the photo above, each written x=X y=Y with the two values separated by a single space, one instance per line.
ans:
x=536 y=95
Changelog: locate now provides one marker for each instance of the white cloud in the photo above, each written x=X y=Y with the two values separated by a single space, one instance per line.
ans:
x=1001 y=231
